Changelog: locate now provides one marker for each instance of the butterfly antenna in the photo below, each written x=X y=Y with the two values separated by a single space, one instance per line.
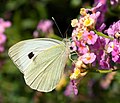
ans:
x=66 y=31
x=57 y=27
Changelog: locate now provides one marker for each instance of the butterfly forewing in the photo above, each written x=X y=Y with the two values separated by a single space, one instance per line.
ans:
x=42 y=62
x=20 y=52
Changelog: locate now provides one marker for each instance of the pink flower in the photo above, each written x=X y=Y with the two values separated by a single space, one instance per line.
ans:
x=7 y=24
x=97 y=6
x=101 y=1
x=74 y=47
x=102 y=27
x=116 y=53
x=114 y=2
x=88 y=58
x=95 y=15
x=110 y=47
x=82 y=48
x=102 y=8
x=4 y=25
x=2 y=29
x=105 y=63
x=1 y=48
x=45 y=26
x=2 y=38
x=114 y=29
x=90 y=37
x=35 y=34
x=113 y=47
x=71 y=89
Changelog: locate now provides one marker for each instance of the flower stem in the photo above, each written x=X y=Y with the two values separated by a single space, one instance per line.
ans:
x=103 y=35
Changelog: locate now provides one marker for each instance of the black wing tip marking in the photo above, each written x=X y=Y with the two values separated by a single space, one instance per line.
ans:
x=30 y=55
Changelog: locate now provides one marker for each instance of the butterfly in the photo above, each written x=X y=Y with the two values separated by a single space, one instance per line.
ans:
x=41 y=60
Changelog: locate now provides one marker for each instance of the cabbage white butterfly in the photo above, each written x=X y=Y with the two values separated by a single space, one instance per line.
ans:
x=41 y=60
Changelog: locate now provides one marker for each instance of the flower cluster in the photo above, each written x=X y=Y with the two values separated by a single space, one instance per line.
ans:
x=71 y=89
x=3 y=26
x=96 y=51
x=44 y=26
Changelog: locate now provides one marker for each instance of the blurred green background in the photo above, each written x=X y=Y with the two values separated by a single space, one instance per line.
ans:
x=24 y=16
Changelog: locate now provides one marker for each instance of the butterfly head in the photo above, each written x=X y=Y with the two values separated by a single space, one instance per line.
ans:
x=67 y=44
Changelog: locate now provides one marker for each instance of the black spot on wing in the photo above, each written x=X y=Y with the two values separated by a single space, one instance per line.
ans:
x=30 y=55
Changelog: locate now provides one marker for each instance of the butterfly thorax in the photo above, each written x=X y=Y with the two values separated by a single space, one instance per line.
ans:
x=67 y=44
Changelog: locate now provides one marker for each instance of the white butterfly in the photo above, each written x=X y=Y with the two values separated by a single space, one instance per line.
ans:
x=41 y=60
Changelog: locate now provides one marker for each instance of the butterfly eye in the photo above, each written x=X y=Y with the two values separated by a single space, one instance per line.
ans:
x=30 y=55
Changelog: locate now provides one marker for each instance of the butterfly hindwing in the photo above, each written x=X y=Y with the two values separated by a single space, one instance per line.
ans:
x=45 y=75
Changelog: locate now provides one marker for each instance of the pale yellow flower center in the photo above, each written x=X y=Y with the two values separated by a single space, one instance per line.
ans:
x=83 y=11
x=88 y=22
x=76 y=74
x=79 y=35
